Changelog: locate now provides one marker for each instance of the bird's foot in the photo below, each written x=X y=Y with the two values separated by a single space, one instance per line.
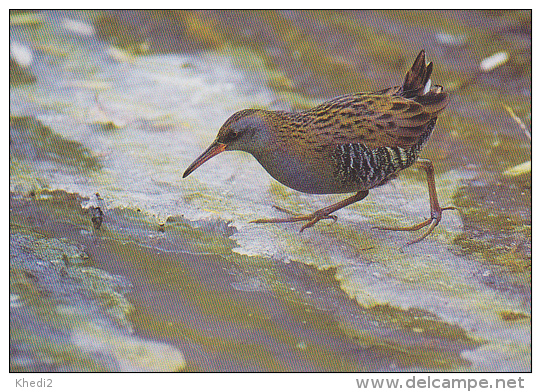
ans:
x=433 y=221
x=311 y=218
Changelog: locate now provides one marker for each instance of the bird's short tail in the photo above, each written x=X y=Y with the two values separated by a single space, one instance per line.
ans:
x=418 y=87
x=417 y=80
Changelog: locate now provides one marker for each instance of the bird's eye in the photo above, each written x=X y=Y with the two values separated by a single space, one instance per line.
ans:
x=234 y=134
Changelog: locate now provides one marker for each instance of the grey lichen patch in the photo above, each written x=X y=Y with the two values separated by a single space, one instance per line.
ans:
x=57 y=251
x=72 y=338
x=108 y=290
x=36 y=352
x=130 y=353
x=53 y=258
x=80 y=311
x=32 y=140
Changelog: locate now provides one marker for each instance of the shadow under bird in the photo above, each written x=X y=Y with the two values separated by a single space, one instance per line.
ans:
x=351 y=143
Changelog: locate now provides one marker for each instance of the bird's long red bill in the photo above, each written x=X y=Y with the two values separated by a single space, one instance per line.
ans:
x=213 y=150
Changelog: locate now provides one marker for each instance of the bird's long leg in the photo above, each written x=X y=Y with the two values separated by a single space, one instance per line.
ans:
x=313 y=218
x=435 y=209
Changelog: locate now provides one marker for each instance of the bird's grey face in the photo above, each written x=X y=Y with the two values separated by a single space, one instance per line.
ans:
x=246 y=130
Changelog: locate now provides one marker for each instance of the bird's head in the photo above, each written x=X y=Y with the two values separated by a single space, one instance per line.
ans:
x=247 y=130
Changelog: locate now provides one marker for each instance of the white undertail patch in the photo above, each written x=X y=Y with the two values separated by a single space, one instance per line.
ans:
x=427 y=86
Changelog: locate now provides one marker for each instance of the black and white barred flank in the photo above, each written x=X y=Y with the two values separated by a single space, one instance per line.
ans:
x=370 y=167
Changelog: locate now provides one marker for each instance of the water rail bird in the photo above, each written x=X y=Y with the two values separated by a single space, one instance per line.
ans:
x=351 y=143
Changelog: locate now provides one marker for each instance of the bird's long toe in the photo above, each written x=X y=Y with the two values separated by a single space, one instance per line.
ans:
x=432 y=222
x=311 y=218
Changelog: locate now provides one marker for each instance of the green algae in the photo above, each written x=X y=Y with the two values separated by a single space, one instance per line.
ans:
x=359 y=240
x=24 y=178
x=194 y=32
x=280 y=191
x=50 y=145
x=496 y=255
x=105 y=126
x=362 y=242
x=280 y=82
x=422 y=322
x=522 y=169
x=408 y=356
x=24 y=18
x=497 y=228
x=19 y=75
x=44 y=37
x=107 y=290
x=509 y=315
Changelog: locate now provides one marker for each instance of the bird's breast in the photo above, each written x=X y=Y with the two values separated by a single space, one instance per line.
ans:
x=306 y=173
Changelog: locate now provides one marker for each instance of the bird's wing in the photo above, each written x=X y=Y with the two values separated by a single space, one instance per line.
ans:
x=376 y=119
